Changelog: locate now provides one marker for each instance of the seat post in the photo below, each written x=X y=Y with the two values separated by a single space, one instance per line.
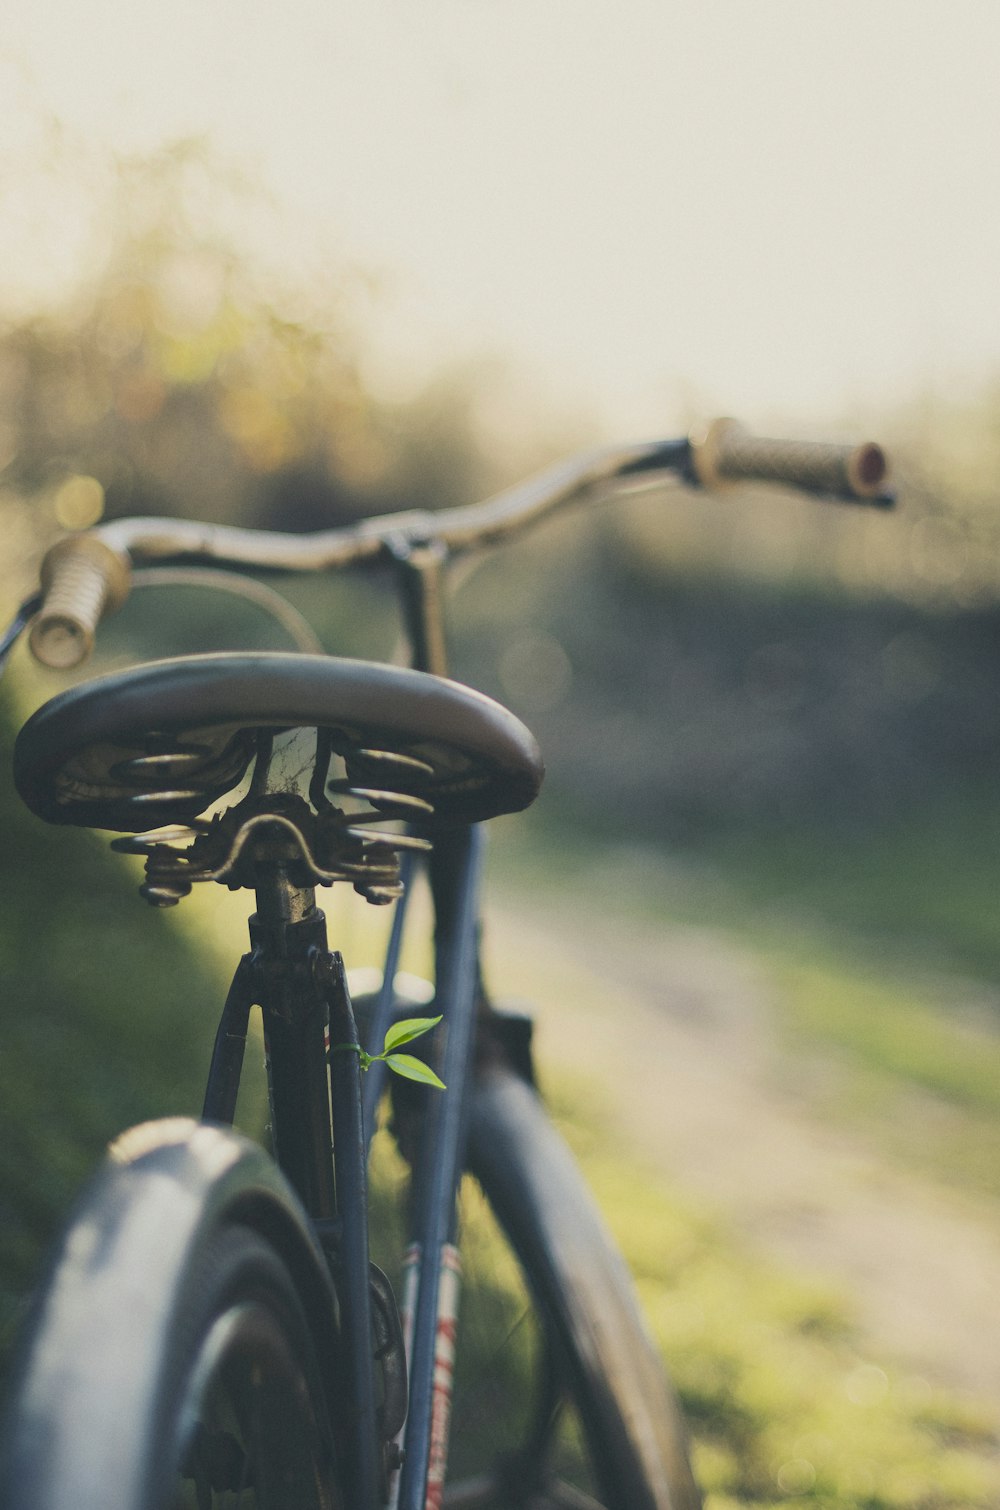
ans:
x=287 y=933
x=279 y=901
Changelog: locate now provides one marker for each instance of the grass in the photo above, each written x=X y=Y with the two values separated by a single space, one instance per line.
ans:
x=910 y=1068
x=881 y=949
x=785 y=1399
x=922 y=888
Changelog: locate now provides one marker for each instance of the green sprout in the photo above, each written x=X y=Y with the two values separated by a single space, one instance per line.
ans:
x=402 y=1064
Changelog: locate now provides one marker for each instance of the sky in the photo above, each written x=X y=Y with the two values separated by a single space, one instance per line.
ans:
x=765 y=207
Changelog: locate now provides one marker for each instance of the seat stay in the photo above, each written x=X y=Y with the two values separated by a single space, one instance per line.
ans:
x=226 y=1069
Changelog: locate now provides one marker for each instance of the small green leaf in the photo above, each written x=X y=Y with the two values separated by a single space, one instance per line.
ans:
x=413 y=1069
x=407 y=1030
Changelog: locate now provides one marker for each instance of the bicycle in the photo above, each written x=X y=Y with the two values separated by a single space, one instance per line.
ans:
x=264 y=1358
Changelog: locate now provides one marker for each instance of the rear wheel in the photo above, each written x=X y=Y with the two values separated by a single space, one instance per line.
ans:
x=176 y=1360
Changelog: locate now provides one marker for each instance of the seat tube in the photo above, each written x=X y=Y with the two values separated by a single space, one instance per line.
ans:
x=298 y=982
x=288 y=930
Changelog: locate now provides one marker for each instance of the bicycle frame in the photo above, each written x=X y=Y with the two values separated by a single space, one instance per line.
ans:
x=308 y=1018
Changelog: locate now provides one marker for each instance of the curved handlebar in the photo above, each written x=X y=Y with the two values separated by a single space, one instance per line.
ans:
x=85 y=577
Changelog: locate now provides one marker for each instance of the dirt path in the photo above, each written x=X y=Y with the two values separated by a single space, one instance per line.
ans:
x=707 y=1093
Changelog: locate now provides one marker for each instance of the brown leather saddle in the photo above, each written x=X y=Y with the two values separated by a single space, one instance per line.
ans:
x=161 y=742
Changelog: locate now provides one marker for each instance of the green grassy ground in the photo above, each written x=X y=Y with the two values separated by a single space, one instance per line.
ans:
x=882 y=944
x=786 y=1400
x=885 y=948
x=880 y=971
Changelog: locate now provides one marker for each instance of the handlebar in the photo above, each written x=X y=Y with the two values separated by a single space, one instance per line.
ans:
x=729 y=453
x=85 y=577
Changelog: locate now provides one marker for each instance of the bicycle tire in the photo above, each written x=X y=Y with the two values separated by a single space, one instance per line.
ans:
x=182 y=1351
x=631 y=1423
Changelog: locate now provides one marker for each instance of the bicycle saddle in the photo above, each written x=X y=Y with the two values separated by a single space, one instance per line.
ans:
x=161 y=742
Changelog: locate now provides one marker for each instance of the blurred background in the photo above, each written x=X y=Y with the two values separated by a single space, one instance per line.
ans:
x=285 y=267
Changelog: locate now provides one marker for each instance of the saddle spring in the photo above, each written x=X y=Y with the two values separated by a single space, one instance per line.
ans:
x=321 y=842
x=166 y=759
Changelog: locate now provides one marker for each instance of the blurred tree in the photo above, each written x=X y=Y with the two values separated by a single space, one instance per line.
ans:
x=169 y=377
x=181 y=379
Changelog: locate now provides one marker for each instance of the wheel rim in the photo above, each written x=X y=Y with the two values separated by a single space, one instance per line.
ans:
x=248 y=1436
